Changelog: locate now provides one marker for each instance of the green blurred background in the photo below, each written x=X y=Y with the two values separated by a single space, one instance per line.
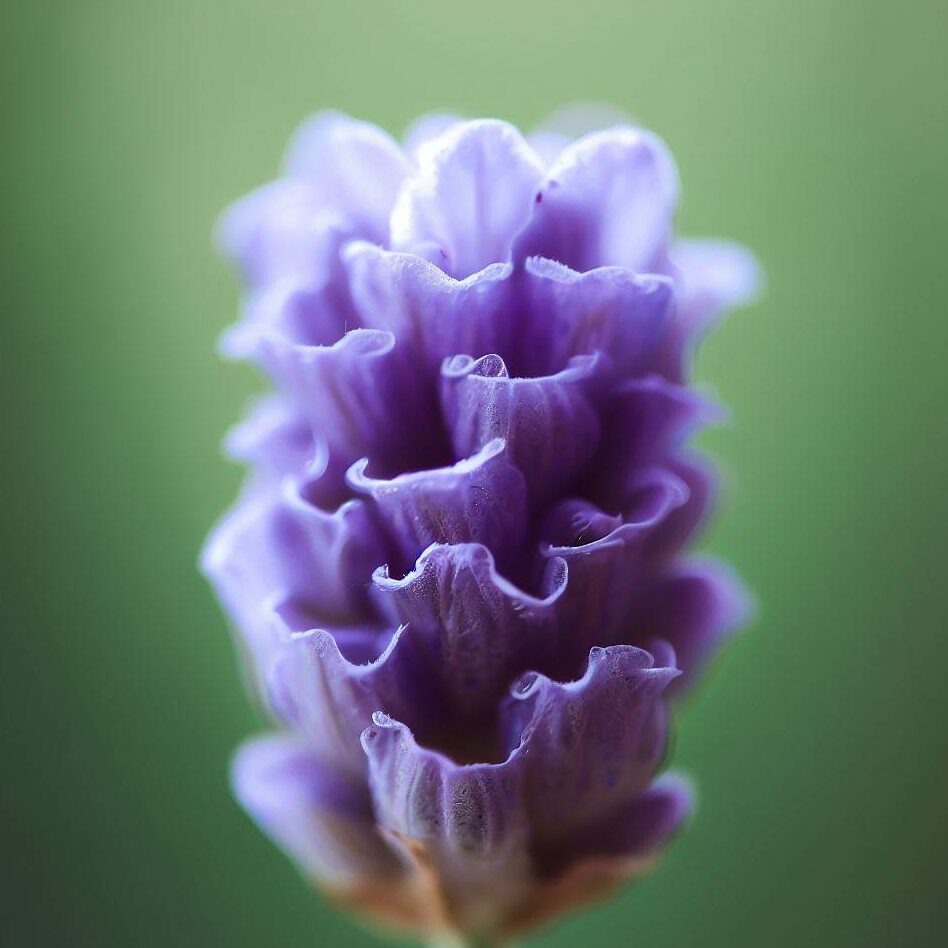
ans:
x=815 y=131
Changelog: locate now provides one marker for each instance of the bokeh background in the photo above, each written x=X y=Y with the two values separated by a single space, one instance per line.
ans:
x=813 y=130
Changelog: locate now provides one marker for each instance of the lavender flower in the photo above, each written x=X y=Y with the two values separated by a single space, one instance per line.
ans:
x=457 y=566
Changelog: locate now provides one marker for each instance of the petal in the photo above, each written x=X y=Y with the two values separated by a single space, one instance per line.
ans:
x=482 y=499
x=469 y=198
x=608 y=310
x=328 y=698
x=603 y=858
x=273 y=438
x=434 y=313
x=535 y=320
x=608 y=200
x=590 y=745
x=423 y=795
x=560 y=128
x=700 y=478
x=476 y=629
x=322 y=820
x=363 y=393
x=550 y=425
x=296 y=311
x=715 y=275
x=427 y=128
x=692 y=608
x=547 y=146
x=276 y=555
x=633 y=831
x=464 y=823
x=326 y=557
x=284 y=229
x=712 y=277
x=647 y=422
x=355 y=167
x=607 y=557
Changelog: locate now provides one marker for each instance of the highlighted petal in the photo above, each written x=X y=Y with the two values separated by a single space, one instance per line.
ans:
x=469 y=198
x=427 y=128
x=607 y=557
x=693 y=608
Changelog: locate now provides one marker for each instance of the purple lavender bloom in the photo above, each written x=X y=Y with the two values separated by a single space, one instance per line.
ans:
x=457 y=568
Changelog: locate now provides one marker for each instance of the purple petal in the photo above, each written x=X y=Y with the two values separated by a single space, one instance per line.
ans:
x=466 y=823
x=478 y=630
x=608 y=200
x=363 y=393
x=606 y=558
x=712 y=277
x=437 y=315
x=426 y=129
x=292 y=311
x=692 y=608
x=322 y=820
x=282 y=230
x=481 y=499
x=590 y=745
x=634 y=830
x=355 y=166
x=274 y=438
x=645 y=425
x=550 y=425
x=469 y=199
x=277 y=556
x=608 y=310
x=329 y=697
x=682 y=524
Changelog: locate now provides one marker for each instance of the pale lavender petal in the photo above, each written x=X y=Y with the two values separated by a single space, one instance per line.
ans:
x=713 y=276
x=363 y=393
x=356 y=168
x=469 y=199
x=608 y=200
x=426 y=128
x=322 y=820
x=282 y=230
